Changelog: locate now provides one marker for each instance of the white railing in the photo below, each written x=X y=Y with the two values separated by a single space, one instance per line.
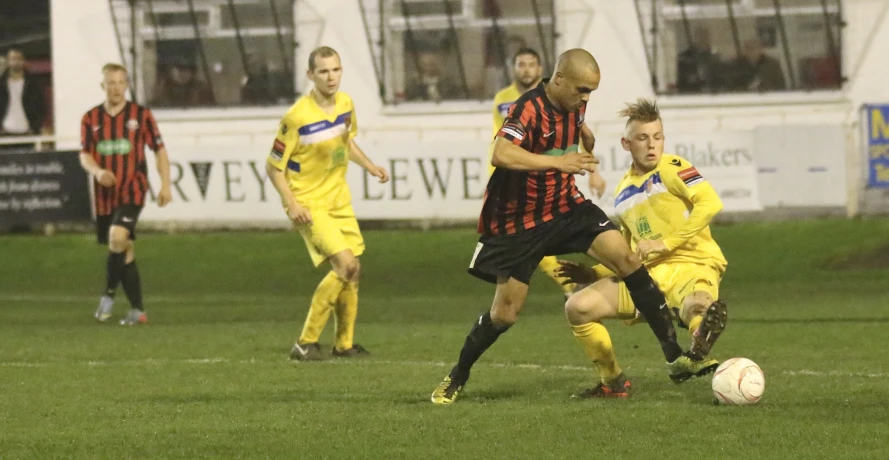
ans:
x=41 y=142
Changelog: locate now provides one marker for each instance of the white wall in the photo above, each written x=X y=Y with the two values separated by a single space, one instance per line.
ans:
x=83 y=39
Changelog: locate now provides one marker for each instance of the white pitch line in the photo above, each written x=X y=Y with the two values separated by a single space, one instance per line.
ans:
x=524 y=366
x=204 y=299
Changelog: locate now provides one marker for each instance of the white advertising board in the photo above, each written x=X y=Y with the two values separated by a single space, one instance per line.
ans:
x=431 y=180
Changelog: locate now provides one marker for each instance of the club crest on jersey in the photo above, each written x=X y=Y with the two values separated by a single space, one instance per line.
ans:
x=132 y=124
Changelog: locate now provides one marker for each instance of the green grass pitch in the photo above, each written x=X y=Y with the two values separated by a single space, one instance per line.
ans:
x=209 y=377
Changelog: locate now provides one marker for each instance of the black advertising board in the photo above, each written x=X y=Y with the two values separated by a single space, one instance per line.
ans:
x=43 y=187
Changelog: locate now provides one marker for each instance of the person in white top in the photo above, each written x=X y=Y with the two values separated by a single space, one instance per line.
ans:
x=22 y=107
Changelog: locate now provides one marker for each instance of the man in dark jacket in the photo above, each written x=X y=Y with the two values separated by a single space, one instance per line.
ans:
x=22 y=106
x=757 y=71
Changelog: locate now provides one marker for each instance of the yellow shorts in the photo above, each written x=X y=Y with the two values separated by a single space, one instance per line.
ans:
x=332 y=232
x=677 y=281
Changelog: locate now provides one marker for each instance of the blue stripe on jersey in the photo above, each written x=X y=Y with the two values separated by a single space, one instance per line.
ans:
x=323 y=124
x=633 y=190
x=293 y=166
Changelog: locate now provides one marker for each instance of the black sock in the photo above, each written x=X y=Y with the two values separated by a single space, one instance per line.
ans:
x=113 y=271
x=482 y=336
x=132 y=284
x=650 y=301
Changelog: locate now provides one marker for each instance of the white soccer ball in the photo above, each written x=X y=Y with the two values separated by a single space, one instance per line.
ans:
x=738 y=382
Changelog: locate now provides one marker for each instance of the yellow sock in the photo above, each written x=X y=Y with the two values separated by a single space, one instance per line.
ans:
x=346 y=312
x=549 y=265
x=322 y=302
x=596 y=343
x=694 y=324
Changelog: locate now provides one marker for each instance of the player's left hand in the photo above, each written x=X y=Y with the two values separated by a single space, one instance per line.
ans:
x=165 y=196
x=647 y=248
x=379 y=172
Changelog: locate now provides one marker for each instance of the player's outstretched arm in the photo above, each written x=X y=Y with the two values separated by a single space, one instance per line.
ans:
x=163 y=169
x=357 y=156
x=510 y=156
x=106 y=178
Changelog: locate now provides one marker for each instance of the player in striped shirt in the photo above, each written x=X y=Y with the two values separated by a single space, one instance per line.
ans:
x=113 y=138
x=527 y=72
x=532 y=209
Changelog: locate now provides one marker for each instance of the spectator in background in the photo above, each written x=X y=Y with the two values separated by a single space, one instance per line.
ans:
x=22 y=106
x=430 y=84
x=256 y=86
x=699 y=68
x=180 y=87
x=757 y=71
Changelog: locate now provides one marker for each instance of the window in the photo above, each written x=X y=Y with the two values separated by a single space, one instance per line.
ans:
x=200 y=53
x=439 y=50
x=725 y=46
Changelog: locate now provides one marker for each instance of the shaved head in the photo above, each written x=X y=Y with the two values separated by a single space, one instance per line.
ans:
x=575 y=77
x=576 y=62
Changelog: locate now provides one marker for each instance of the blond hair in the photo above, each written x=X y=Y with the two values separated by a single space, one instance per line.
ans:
x=112 y=67
x=321 y=51
x=643 y=111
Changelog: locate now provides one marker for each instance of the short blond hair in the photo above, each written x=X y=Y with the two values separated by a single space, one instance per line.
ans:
x=643 y=111
x=112 y=67
x=321 y=51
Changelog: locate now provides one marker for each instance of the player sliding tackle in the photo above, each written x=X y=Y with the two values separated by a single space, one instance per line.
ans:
x=651 y=204
x=532 y=209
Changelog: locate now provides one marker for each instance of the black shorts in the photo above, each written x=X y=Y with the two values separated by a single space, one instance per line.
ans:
x=518 y=255
x=125 y=216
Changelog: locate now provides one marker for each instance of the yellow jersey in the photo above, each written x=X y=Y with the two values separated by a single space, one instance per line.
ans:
x=503 y=100
x=674 y=204
x=312 y=148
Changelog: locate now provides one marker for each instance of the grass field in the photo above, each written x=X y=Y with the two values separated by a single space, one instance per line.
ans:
x=210 y=377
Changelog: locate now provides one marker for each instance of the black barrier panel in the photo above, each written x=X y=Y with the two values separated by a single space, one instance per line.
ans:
x=43 y=187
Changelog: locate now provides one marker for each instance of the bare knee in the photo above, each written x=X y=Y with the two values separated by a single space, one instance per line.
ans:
x=694 y=305
x=118 y=239
x=627 y=264
x=506 y=308
x=352 y=270
x=346 y=266
x=585 y=306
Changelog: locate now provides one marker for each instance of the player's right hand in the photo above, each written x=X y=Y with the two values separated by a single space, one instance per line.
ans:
x=578 y=163
x=106 y=178
x=299 y=214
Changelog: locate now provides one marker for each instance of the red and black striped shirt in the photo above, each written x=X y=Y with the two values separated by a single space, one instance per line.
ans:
x=520 y=200
x=117 y=143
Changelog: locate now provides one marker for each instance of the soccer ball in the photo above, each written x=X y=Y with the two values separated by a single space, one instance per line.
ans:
x=738 y=382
